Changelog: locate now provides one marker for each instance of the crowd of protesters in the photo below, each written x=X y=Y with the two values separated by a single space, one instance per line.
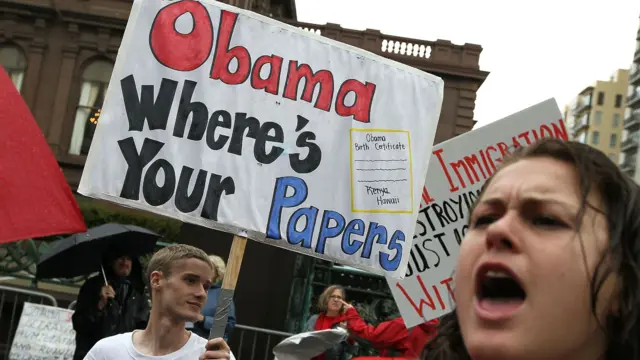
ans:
x=547 y=270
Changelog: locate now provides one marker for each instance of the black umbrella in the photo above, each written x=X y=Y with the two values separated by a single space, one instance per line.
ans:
x=81 y=254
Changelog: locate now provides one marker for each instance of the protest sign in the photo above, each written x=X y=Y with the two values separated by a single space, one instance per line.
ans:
x=230 y=120
x=43 y=333
x=458 y=169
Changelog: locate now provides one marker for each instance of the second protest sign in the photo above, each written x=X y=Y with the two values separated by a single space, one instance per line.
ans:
x=458 y=169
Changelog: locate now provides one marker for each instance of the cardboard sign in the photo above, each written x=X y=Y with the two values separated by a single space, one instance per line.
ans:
x=233 y=121
x=43 y=333
x=458 y=169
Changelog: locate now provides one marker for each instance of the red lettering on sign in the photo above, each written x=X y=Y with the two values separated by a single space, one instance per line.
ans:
x=425 y=196
x=272 y=82
x=361 y=108
x=322 y=78
x=187 y=52
x=429 y=302
x=223 y=55
x=182 y=52
x=470 y=169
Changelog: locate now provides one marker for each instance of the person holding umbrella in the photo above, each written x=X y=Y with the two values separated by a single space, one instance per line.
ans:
x=110 y=303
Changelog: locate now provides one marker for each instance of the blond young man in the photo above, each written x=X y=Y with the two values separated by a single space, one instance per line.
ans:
x=179 y=277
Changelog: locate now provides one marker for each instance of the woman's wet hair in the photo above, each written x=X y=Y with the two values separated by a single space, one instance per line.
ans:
x=621 y=208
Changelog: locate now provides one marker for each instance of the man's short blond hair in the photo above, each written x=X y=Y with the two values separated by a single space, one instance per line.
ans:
x=164 y=258
x=220 y=267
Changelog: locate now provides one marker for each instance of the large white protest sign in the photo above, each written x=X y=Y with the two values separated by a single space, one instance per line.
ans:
x=458 y=169
x=43 y=333
x=233 y=121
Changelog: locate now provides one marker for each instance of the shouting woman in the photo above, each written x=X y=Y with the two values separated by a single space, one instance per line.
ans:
x=549 y=268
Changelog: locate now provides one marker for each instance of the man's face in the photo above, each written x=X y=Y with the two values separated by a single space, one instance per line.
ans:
x=122 y=266
x=183 y=294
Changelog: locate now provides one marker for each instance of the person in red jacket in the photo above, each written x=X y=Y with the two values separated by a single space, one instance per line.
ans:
x=390 y=335
x=332 y=314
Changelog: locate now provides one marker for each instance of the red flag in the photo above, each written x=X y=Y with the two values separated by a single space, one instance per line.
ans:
x=35 y=199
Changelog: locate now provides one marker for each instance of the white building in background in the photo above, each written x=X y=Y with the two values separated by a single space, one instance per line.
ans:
x=631 y=137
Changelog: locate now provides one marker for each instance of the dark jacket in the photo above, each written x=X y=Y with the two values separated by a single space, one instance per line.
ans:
x=345 y=350
x=209 y=310
x=128 y=311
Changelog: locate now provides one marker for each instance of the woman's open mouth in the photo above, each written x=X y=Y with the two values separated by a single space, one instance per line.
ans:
x=499 y=293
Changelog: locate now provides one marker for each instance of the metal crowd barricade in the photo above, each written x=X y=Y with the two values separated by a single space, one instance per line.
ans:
x=12 y=300
x=248 y=342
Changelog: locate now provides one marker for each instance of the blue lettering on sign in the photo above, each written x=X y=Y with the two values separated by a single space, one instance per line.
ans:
x=291 y=192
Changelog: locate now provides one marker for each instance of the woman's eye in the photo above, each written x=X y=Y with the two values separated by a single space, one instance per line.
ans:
x=547 y=221
x=484 y=220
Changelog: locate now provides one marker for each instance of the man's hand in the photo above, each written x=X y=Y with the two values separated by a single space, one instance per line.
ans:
x=106 y=293
x=217 y=349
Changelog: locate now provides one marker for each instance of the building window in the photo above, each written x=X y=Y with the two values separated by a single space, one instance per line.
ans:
x=616 y=120
x=618 y=100
x=600 y=98
x=613 y=158
x=595 y=138
x=583 y=137
x=95 y=80
x=598 y=117
x=14 y=63
x=613 y=142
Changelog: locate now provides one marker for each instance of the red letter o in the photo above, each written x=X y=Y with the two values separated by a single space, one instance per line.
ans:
x=182 y=52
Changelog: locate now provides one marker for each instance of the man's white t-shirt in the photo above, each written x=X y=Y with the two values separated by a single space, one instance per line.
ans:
x=120 y=347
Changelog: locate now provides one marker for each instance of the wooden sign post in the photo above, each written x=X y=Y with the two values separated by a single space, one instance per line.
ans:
x=228 y=287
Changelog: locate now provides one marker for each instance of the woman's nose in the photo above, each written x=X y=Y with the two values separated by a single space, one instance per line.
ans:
x=501 y=234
